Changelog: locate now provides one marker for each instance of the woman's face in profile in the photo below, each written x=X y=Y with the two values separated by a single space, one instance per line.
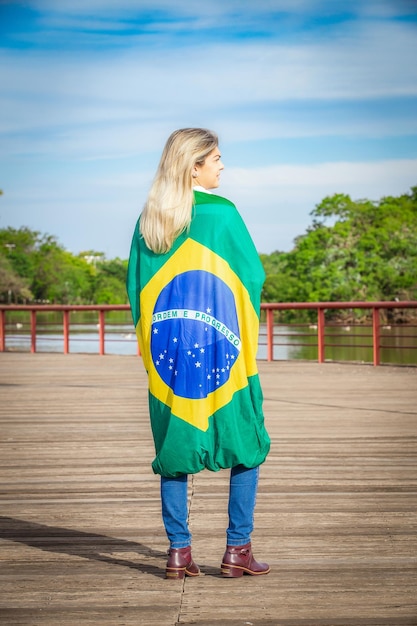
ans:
x=208 y=174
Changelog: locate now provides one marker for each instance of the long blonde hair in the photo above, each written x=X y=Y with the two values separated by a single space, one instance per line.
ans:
x=168 y=209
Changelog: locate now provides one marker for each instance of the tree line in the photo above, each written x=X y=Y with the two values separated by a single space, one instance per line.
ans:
x=353 y=250
x=36 y=268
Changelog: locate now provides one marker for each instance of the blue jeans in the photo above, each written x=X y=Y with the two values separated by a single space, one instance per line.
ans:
x=242 y=498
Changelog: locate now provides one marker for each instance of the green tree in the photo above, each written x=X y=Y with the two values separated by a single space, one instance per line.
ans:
x=372 y=252
x=367 y=252
x=60 y=276
x=49 y=272
x=13 y=288
x=20 y=246
x=110 y=281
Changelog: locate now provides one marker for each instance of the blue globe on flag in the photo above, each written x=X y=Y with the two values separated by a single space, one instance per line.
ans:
x=195 y=338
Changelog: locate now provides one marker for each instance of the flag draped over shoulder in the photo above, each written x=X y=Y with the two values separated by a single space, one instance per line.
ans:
x=196 y=313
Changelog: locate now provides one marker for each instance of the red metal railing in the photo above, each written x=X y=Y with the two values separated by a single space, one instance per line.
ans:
x=321 y=307
x=102 y=309
x=269 y=308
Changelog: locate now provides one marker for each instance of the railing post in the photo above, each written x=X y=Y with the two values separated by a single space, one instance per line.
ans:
x=101 y=331
x=66 y=331
x=320 y=335
x=33 y=331
x=270 y=334
x=2 y=330
x=376 y=336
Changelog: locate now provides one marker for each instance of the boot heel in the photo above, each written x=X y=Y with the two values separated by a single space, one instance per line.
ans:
x=180 y=563
x=228 y=571
x=238 y=560
x=175 y=574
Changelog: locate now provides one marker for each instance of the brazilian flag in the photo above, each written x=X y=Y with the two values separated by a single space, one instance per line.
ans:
x=196 y=313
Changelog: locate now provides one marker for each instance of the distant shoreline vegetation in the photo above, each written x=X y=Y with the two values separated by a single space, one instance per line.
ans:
x=353 y=250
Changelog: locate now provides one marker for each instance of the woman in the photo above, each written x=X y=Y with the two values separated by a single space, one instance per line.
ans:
x=194 y=283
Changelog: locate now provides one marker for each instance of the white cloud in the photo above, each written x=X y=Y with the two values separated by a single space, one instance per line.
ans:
x=276 y=201
x=104 y=103
x=366 y=62
x=337 y=176
x=217 y=8
x=387 y=8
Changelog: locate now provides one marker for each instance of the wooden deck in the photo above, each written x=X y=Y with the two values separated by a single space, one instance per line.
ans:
x=82 y=542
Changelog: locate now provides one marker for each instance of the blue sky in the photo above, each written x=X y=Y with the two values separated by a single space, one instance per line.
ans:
x=309 y=98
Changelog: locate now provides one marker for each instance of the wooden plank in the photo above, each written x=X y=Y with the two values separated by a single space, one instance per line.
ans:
x=82 y=542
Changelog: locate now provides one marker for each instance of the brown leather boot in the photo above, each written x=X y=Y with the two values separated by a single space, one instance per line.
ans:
x=238 y=560
x=180 y=563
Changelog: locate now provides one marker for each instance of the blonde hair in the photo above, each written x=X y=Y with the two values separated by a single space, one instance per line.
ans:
x=168 y=210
